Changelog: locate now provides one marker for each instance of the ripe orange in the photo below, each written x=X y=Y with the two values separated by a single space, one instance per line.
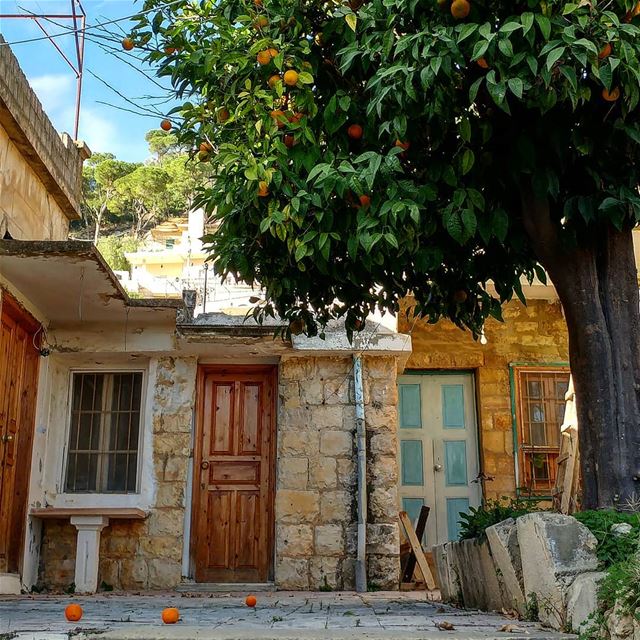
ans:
x=403 y=145
x=263 y=191
x=128 y=44
x=606 y=51
x=482 y=63
x=251 y=601
x=291 y=78
x=278 y=116
x=203 y=155
x=170 y=50
x=289 y=141
x=263 y=57
x=460 y=9
x=460 y=296
x=205 y=146
x=170 y=615
x=258 y=3
x=355 y=131
x=273 y=80
x=365 y=201
x=611 y=96
x=261 y=22
x=165 y=125
x=223 y=114
x=295 y=117
x=73 y=612
x=630 y=15
x=273 y=52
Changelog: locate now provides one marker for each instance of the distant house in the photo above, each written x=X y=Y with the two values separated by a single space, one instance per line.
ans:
x=146 y=445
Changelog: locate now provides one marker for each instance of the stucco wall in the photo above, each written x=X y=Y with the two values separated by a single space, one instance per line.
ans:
x=316 y=474
x=533 y=334
x=27 y=209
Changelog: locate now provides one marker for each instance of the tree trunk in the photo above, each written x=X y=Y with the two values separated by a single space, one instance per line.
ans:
x=598 y=288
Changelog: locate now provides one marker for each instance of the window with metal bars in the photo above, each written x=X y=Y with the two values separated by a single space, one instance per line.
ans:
x=540 y=403
x=104 y=435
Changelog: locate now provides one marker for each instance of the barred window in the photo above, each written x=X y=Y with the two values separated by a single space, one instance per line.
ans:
x=104 y=435
x=540 y=400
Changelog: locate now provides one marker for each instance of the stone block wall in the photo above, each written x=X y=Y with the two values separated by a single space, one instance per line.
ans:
x=315 y=512
x=141 y=554
x=536 y=333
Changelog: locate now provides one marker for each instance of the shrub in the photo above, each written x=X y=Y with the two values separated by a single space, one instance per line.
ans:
x=474 y=523
x=612 y=549
x=113 y=249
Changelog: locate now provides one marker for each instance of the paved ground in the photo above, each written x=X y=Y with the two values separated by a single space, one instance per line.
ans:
x=278 y=616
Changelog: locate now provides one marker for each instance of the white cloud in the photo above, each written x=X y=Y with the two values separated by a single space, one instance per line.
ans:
x=55 y=91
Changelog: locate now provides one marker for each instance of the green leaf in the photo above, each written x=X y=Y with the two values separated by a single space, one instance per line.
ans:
x=473 y=89
x=465 y=129
x=467 y=161
x=453 y=224
x=469 y=221
x=544 y=25
x=527 y=19
x=554 y=56
x=466 y=31
x=509 y=27
x=305 y=78
x=391 y=239
x=352 y=20
x=517 y=86
x=479 y=49
x=505 y=46
x=500 y=224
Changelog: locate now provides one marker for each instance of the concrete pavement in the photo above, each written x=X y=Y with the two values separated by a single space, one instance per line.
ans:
x=278 y=616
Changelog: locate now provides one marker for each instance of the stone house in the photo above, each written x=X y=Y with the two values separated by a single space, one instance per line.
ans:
x=143 y=446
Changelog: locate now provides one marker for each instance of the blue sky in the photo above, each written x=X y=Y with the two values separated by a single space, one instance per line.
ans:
x=102 y=127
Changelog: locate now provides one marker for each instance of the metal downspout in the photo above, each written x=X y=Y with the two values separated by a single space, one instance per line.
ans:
x=361 y=448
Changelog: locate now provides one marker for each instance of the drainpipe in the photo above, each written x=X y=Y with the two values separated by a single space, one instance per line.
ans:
x=361 y=448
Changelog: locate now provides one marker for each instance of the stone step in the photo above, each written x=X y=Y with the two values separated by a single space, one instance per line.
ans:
x=224 y=587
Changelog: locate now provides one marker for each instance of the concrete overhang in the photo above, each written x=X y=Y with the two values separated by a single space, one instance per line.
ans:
x=70 y=284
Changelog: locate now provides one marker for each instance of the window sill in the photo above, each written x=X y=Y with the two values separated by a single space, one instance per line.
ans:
x=99 y=501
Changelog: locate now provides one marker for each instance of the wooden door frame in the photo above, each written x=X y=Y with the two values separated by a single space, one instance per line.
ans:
x=203 y=370
x=10 y=306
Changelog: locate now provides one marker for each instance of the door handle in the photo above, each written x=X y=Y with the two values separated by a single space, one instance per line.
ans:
x=7 y=438
x=204 y=465
x=437 y=467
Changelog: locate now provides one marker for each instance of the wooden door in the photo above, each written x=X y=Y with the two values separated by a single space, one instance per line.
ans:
x=438 y=452
x=232 y=539
x=18 y=388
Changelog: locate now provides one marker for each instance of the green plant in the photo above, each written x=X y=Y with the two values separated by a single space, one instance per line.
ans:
x=325 y=586
x=532 y=610
x=113 y=249
x=474 y=523
x=612 y=549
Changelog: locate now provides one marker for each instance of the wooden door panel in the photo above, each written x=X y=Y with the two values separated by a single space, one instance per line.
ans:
x=19 y=361
x=233 y=482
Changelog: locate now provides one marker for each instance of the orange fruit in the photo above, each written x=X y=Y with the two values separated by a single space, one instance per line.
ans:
x=482 y=63
x=460 y=9
x=263 y=191
x=223 y=114
x=460 y=296
x=258 y=3
x=273 y=52
x=170 y=50
x=73 y=612
x=251 y=601
x=203 y=156
x=128 y=44
x=165 y=125
x=273 y=80
x=365 y=201
x=170 y=615
x=605 y=52
x=291 y=78
x=261 y=22
x=263 y=57
x=355 y=131
x=402 y=145
x=630 y=15
x=289 y=141
x=611 y=96
x=295 y=117
x=278 y=115
x=205 y=146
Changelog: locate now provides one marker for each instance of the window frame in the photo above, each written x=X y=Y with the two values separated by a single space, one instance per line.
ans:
x=104 y=370
x=515 y=371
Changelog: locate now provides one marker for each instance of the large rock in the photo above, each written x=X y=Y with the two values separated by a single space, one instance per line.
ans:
x=554 y=549
x=582 y=600
x=620 y=624
x=505 y=550
x=479 y=581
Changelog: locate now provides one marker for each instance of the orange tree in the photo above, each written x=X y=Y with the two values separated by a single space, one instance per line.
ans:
x=370 y=150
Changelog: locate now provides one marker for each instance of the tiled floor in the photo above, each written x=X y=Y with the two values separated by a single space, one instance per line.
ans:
x=278 y=615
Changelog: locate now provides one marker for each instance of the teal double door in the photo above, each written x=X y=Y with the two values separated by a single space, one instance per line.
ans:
x=438 y=450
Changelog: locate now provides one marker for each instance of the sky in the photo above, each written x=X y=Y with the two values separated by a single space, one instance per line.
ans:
x=104 y=125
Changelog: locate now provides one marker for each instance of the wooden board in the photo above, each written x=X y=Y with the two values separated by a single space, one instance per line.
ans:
x=417 y=550
x=19 y=361
x=407 y=574
x=233 y=525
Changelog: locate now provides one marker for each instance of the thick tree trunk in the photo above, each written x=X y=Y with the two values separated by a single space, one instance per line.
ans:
x=598 y=288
